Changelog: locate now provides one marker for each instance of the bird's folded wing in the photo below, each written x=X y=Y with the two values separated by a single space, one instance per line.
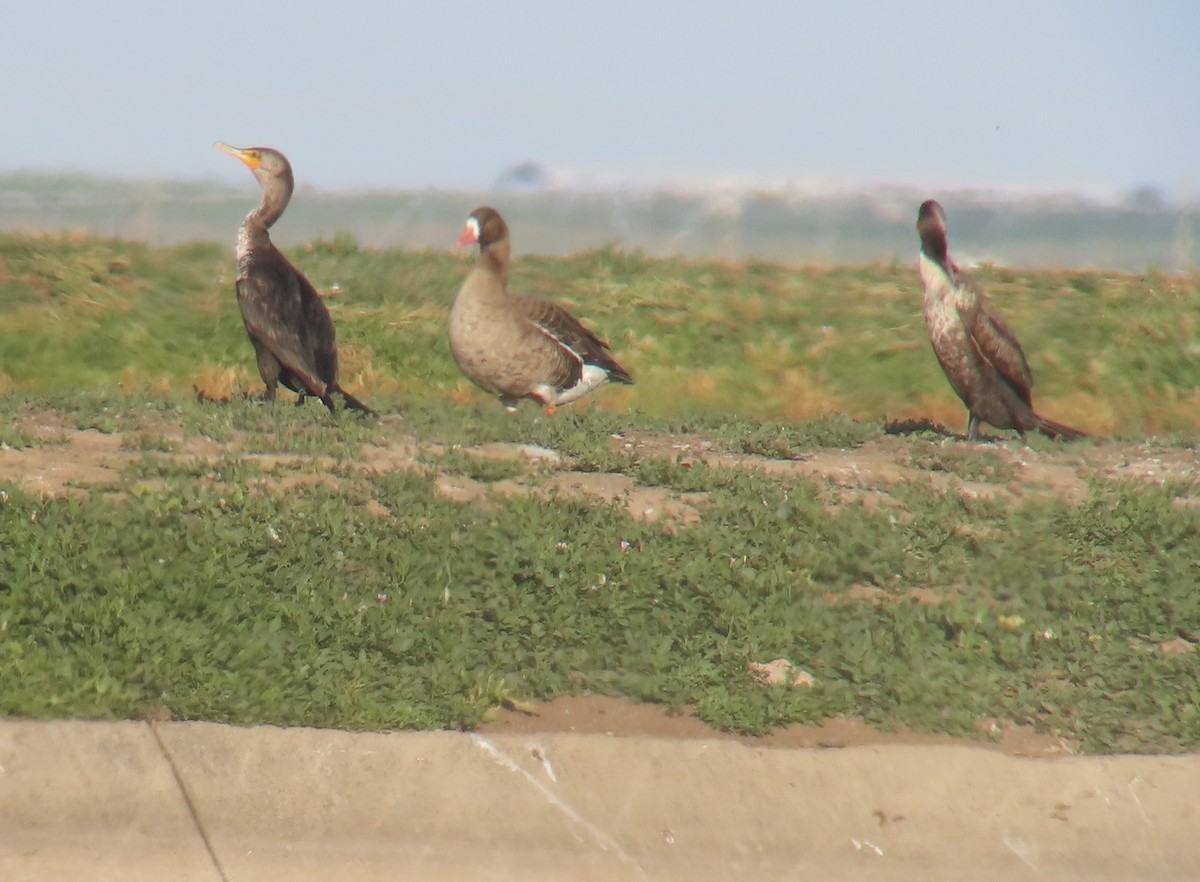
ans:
x=274 y=314
x=998 y=344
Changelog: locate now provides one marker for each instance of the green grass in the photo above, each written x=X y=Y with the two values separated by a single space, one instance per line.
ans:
x=307 y=589
x=1117 y=354
x=965 y=464
x=286 y=576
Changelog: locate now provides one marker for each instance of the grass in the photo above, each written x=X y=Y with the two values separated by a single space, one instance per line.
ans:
x=965 y=464
x=1116 y=354
x=307 y=589
x=294 y=572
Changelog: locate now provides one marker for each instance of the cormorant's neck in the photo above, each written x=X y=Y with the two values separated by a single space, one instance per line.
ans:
x=253 y=234
x=933 y=246
x=276 y=194
x=252 y=237
x=494 y=258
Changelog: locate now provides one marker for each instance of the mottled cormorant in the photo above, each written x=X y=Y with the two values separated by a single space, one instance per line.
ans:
x=976 y=348
x=518 y=346
x=290 y=327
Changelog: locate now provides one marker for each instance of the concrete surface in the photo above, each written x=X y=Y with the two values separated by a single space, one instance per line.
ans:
x=198 y=801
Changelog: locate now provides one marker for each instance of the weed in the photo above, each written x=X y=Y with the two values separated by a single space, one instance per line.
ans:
x=967 y=465
x=476 y=467
x=149 y=441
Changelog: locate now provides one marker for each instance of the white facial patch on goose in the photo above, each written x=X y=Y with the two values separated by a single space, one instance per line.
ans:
x=473 y=226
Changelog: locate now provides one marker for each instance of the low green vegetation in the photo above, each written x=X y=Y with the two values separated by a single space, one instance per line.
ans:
x=230 y=560
x=1118 y=355
x=299 y=576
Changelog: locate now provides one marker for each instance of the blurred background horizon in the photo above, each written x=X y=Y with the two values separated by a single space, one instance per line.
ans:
x=1057 y=134
x=1140 y=231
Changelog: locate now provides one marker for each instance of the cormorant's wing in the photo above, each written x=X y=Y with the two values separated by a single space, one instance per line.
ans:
x=283 y=312
x=997 y=343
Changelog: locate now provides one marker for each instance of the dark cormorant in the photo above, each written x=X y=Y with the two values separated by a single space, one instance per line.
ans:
x=976 y=348
x=291 y=330
x=518 y=346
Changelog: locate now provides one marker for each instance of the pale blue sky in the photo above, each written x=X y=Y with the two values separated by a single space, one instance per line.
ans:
x=1099 y=96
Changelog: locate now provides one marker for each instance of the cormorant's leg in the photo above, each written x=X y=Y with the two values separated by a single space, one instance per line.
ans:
x=268 y=369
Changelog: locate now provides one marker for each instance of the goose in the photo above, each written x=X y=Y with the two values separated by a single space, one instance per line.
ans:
x=516 y=346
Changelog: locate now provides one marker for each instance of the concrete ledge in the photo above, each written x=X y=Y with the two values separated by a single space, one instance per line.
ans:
x=101 y=801
x=96 y=802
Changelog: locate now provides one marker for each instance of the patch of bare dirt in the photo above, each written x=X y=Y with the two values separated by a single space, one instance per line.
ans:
x=86 y=458
x=640 y=502
x=865 y=473
x=70 y=460
x=603 y=715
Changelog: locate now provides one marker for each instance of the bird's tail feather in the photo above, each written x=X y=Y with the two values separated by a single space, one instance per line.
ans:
x=620 y=375
x=1052 y=429
x=616 y=373
x=352 y=402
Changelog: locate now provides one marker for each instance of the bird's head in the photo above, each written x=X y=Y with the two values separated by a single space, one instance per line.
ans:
x=267 y=163
x=931 y=215
x=484 y=226
x=931 y=227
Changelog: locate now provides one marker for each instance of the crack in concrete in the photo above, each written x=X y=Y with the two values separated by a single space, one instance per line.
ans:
x=602 y=839
x=191 y=806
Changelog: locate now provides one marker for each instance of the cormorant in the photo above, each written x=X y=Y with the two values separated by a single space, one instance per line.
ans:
x=976 y=348
x=291 y=329
x=518 y=346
